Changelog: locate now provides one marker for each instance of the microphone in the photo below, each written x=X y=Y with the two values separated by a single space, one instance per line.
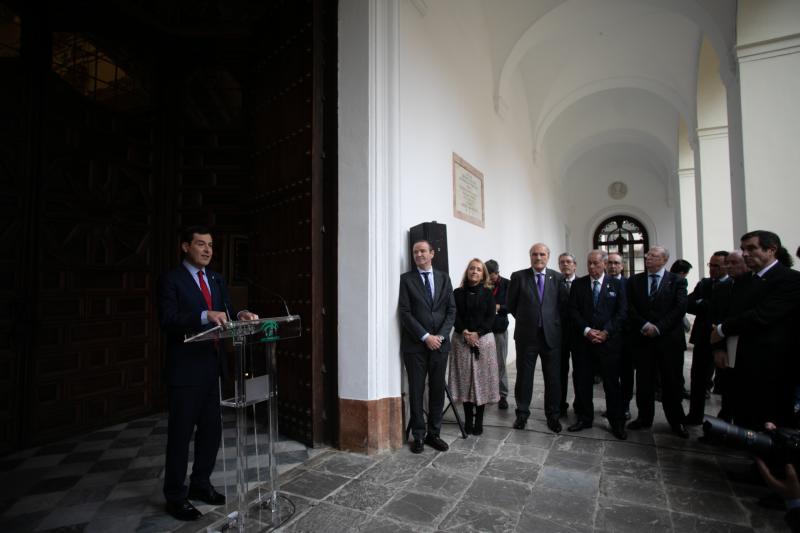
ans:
x=270 y=291
x=216 y=280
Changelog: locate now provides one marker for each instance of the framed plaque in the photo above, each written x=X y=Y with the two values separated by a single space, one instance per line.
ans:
x=467 y=192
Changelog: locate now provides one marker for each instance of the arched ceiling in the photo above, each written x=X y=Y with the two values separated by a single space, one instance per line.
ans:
x=614 y=73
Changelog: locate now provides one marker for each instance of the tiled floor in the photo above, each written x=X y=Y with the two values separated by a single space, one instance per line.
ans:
x=505 y=480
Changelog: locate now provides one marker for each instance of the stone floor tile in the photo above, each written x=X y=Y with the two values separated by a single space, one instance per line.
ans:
x=709 y=505
x=511 y=470
x=460 y=462
x=612 y=466
x=471 y=517
x=682 y=523
x=78 y=496
x=498 y=493
x=315 y=485
x=486 y=447
x=523 y=452
x=631 y=452
x=583 y=445
x=692 y=478
x=633 y=490
x=623 y=518
x=439 y=481
x=381 y=524
x=362 y=495
x=545 y=510
x=531 y=438
x=23 y=523
x=71 y=516
x=576 y=482
x=345 y=464
x=394 y=471
x=574 y=461
x=423 y=509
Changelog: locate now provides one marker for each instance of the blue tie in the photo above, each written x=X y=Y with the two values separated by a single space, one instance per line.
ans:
x=595 y=292
x=653 y=285
x=428 y=294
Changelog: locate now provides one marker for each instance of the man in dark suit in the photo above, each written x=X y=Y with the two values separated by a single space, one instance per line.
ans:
x=699 y=305
x=537 y=299
x=192 y=298
x=598 y=310
x=500 y=327
x=615 y=269
x=566 y=265
x=427 y=313
x=728 y=299
x=656 y=305
x=766 y=359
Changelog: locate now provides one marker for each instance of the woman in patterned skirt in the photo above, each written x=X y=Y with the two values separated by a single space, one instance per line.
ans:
x=473 y=377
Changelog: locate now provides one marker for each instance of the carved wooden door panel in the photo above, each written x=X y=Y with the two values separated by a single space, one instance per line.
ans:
x=14 y=315
x=293 y=242
x=95 y=356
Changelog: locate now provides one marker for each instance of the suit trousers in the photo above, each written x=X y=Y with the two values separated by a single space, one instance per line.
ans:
x=651 y=357
x=590 y=358
x=566 y=354
x=702 y=370
x=527 y=354
x=501 y=342
x=420 y=365
x=626 y=374
x=191 y=407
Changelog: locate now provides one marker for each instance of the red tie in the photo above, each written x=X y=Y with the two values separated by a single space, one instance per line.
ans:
x=204 y=289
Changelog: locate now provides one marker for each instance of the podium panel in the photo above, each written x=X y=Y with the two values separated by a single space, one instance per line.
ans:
x=258 y=506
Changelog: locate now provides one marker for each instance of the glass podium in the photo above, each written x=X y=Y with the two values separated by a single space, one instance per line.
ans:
x=258 y=506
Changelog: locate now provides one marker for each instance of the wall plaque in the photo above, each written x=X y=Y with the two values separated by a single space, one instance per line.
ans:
x=467 y=192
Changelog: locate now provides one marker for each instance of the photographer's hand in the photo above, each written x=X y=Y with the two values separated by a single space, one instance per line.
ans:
x=788 y=488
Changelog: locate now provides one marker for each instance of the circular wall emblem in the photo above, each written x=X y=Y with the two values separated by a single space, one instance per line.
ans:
x=617 y=190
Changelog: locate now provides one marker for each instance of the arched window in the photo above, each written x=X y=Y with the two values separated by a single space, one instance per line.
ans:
x=626 y=236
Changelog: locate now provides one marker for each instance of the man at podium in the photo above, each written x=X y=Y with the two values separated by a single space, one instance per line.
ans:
x=192 y=298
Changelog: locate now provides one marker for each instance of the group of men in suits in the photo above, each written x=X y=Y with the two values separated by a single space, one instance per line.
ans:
x=596 y=319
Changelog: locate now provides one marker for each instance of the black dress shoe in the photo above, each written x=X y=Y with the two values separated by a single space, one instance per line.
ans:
x=417 y=446
x=638 y=424
x=503 y=403
x=435 y=442
x=520 y=422
x=680 y=430
x=579 y=425
x=209 y=495
x=183 y=510
x=554 y=425
x=618 y=430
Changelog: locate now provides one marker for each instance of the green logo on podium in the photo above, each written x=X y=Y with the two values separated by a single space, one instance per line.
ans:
x=270 y=331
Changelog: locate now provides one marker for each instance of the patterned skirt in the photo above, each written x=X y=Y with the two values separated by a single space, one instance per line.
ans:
x=474 y=380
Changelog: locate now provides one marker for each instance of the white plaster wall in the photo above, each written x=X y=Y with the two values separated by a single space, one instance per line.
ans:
x=446 y=106
x=769 y=65
x=588 y=203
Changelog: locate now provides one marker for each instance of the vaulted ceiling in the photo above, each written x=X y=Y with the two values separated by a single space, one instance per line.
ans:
x=607 y=81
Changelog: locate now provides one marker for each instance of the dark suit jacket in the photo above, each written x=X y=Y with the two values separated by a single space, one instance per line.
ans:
x=523 y=302
x=500 y=296
x=180 y=304
x=418 y=317
x=729 y=298
x=609 y=315
x=699 y=304
x=768 y=323
x=665 y=311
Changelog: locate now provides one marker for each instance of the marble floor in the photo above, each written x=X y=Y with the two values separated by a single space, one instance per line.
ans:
x=505 y=480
